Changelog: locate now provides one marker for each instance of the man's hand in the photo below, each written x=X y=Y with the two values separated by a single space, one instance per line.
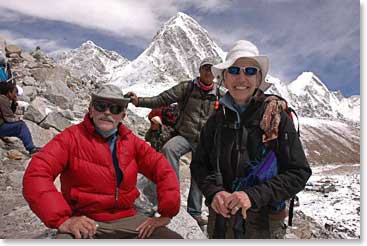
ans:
x=238 y=200
x=147 y=227
x=80 y=227
x=218 y=203
x=133 y=97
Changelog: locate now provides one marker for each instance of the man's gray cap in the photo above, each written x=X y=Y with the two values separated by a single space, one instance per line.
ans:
x=210 y=61
x=110 y=93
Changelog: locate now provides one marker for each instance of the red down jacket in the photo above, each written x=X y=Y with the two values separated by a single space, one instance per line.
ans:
x=88 y=179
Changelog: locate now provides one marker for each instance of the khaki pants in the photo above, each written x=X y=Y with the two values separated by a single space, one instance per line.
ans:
x=258 y=225
x=125 y=229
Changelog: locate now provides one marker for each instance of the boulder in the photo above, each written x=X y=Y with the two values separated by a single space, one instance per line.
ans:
x=30 y=92
x=59 y=93
x=29 y=81
x=56 y=120
x=38 y=109
x=68 y=114
x=40 y=135
x=13 y=49
x=14 y=154
x=56 y=73
x=28 y=57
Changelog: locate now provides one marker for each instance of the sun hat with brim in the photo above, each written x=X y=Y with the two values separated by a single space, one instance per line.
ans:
x=110 y=93
x=243 y=49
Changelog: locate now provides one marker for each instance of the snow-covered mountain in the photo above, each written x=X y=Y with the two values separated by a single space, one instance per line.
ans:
x=91 y=62
x=311 y=98
x=173 y=55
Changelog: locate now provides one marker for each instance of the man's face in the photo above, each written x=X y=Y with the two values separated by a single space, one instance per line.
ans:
x=13 y=94
x=206 y=75
x=103 y=118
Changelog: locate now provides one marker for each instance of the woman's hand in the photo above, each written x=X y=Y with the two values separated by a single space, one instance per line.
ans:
x=218 y=203
x=238 y=200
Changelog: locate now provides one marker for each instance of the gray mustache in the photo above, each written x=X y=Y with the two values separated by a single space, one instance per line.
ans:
x=107 y=118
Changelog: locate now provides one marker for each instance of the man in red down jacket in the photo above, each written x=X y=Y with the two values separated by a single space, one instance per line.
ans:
x=99 y=160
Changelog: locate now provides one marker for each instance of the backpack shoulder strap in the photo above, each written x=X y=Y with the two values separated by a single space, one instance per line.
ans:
x=219 y=119
x=188 y=91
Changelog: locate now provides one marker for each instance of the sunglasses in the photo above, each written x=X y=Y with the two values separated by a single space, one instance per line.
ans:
x=102 y=106
x=249 y=71
x=206 y=67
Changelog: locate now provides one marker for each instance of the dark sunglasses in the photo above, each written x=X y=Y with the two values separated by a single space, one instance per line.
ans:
x=249 y=71
x=102 y=106
x=206 y=67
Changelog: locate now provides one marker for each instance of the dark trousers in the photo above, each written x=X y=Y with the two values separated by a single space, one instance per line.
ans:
x=258 y=225
x=125 y=229
x=20 y=130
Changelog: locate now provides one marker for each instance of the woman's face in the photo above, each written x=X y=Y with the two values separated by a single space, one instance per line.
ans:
x=241 y=86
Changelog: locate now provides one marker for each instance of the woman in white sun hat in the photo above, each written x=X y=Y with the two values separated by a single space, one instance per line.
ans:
x=249 y=159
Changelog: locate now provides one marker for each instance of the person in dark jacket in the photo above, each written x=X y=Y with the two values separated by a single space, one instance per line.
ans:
x=196 y=101
x=98 y=161
x=228 y=164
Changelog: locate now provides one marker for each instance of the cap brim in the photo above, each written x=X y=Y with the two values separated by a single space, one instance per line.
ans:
x=120 y=101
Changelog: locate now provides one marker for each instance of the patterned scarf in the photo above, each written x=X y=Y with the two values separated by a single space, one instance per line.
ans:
x=271 y=117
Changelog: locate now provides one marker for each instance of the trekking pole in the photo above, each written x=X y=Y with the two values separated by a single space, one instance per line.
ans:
x=290 y=215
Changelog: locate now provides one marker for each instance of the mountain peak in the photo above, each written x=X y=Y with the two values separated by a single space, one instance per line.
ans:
x=179 y=47
x=180 y=17
x=88 y=44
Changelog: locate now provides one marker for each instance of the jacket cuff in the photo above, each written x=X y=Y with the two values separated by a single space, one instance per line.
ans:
x=60 y=222
x=209 y=197
x=253 y=197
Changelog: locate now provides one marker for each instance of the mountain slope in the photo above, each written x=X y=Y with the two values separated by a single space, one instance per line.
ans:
x=91 y=62
x=173 y=55
x=311 y=98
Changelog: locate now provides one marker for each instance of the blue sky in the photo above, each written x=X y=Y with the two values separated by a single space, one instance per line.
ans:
x=321 y=36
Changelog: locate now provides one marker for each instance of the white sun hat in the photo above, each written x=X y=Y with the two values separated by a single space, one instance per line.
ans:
x=243 y=49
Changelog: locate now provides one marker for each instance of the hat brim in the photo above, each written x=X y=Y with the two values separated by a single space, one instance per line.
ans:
x=263 y=62
x=120 y=101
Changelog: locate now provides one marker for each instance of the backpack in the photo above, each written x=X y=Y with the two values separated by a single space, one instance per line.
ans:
x=267 y=168
x=3 y=75
x=169 y=114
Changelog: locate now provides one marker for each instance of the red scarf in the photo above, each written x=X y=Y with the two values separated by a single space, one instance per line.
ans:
x=205 y=87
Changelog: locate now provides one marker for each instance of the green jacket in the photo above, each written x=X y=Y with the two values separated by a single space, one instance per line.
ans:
x=199 y=106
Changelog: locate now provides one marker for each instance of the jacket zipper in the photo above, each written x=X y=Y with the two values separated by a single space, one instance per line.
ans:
x=117 y=194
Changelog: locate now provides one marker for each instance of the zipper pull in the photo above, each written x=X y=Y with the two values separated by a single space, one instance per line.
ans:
x=117 y=193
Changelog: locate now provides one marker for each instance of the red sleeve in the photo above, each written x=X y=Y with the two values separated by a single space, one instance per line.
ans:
x=156 y=167
x=38 y=181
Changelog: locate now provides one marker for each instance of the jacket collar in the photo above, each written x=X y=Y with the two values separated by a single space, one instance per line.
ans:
x=228 y=102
